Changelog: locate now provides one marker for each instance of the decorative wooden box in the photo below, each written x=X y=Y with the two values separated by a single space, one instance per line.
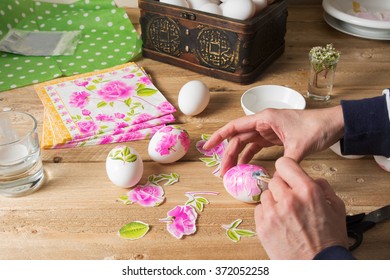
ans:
x=213 y=45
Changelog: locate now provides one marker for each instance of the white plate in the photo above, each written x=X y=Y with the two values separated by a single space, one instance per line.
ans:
x=343 y=10
x=356 y=30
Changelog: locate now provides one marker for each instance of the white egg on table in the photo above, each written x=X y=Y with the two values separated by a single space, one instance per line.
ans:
x=239 y=9
x=193 y=98
x=181 y=3
x=242 y=182
x=211 y=8
x=169 y=144
x=124 y=166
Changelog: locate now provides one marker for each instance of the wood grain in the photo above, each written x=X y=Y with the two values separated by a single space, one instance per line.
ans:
x=76 y=215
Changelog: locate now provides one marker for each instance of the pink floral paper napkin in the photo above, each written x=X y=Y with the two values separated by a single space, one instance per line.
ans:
x=113 y=105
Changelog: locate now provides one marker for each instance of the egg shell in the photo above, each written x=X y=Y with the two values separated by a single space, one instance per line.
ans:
x=169 y=144
x=211 y=8
x=260 y=5
x=180 y=3
x=124 y=166
x=193 y=98
x=196 y=4
x=242 y=182
x=239 y=9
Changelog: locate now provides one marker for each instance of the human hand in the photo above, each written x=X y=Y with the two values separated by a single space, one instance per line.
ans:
x=301 y=132
x=298 y=217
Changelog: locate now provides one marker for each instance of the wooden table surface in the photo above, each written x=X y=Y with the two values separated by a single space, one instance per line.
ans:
x=75 y=214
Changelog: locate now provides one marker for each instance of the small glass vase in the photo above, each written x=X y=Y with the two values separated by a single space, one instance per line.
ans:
x=321 y=79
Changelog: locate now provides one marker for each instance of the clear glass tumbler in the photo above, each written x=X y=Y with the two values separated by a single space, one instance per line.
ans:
x=21 y=170
x=321 y=79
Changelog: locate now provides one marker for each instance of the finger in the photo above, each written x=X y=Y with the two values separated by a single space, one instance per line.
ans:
x=252 y=149
x=259 y=217
x=329 y=194
x=293 y=153
x=325 y=187
x=267 y=199
x=278 y=188
x=234 y=148
x=240 y=125
x=290 y=171
x=249 y=152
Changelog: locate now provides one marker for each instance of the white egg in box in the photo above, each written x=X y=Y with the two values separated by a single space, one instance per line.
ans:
x=169 y=144
x=124 y=166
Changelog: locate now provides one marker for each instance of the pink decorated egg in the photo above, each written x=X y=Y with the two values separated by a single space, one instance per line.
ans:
x=243 y=183
x=169 y=144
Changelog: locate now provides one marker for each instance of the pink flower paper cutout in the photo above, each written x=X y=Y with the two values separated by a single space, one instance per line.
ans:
x=184 y=140
x=166 y=144
x=213 y=156
x=181 y=221
x=146 y=195
x=151 y=194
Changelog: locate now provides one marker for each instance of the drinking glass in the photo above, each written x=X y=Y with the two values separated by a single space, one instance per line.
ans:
x=21 y=170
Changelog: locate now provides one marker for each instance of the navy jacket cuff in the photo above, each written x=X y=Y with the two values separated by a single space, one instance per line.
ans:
x=335 y=253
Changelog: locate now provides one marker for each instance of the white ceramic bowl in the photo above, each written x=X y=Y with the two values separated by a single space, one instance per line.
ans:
x=337 y=150
x=383 y=162
x=343 y=10
x=259 y=98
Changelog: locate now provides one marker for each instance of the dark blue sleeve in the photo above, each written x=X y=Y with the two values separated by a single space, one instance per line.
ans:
x=334 y=253
x=366 y=127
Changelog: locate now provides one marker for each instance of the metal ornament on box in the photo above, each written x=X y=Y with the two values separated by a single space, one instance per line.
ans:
x=213 y=45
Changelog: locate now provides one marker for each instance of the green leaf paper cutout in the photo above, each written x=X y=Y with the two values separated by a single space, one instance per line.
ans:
x=244 y=232
x=134 y=230
x=236 y=223
x=233 y=236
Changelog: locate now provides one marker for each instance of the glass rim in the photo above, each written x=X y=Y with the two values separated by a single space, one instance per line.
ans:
x=29 y=133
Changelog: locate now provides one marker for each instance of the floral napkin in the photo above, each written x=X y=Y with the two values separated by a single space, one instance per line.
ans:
x=113 y=105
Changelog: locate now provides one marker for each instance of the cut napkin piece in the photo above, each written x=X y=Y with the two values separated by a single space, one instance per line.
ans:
x=108 y=39
x=113 y=105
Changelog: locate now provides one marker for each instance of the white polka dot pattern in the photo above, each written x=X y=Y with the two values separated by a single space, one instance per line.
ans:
x=108 y=39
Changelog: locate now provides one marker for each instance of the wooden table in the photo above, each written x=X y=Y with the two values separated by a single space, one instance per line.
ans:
x=75 y=214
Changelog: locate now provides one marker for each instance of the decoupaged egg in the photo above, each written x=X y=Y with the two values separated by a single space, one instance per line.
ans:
x=243 y=183
x=169 y=144
x=124 y=166
x=193 y=98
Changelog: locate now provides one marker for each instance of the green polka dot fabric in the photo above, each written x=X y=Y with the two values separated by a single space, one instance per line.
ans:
x=108 y=39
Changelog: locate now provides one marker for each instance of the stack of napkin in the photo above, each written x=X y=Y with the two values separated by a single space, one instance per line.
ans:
x=117 y=104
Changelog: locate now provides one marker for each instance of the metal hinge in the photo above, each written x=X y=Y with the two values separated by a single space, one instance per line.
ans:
x=189 y=16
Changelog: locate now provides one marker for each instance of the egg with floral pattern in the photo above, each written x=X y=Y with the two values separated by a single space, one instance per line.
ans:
x=243 y=183
x=169 y=144
x=124 y=166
